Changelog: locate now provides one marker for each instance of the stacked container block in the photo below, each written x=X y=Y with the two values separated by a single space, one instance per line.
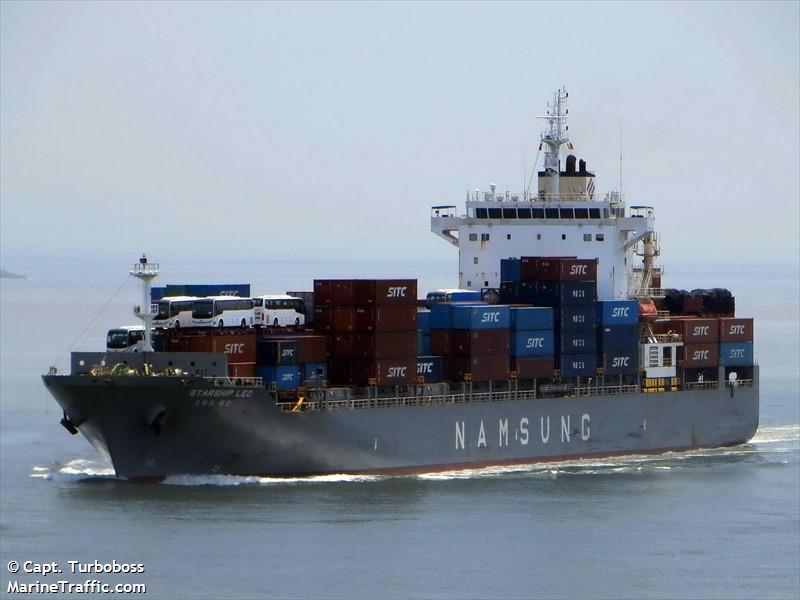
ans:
x=371 y=328
x=618 y=336
x=532 y=342
x=293 y=361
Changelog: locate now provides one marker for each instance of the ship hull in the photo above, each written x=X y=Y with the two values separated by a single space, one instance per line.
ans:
x=151 y=428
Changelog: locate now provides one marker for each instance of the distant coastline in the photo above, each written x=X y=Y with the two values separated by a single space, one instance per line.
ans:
x=8 y=275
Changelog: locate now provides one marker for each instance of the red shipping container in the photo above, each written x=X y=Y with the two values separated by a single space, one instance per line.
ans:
x=241 y=369
x=735 y=330
x=479 y=342
x=323 y=292
x=440 y=342
x=386 y=292
x=384 y=345
x=567 y=269
x=534 y=367
x=385 y=318
x=339 y=371
x=397 y=371
x=696 y=331
x=334 y=318
x=240 y=348
x=480 y=368
x=340 y=345
x=698 y=355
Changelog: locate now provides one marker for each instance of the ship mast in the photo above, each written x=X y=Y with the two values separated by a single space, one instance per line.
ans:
x=145 y=272
x=554 y=137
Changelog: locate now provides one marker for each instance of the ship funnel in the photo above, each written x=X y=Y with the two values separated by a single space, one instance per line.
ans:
x=571 y=164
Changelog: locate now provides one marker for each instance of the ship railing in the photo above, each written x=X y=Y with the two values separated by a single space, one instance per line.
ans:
x=444 y=211
x=739 y=383
x=236 y=381
x=479 y=196
x=649 y=293
x=702 y=385
x=549 y=391
x=662 y=338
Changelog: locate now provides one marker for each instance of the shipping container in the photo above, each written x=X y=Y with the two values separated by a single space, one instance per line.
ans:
x=696 y=331
x=270 y=352
x=315 y=372
x=567 y=269
x=519 y=292
x=576 y=342
x=578 y=365
x=430 y=368
x=441 y=316
x=735 y=330
x=239 y=348
x=242 y=369
x=620 y=362
x=510 y=269
x=383 y=345
x=397 y=371
x=340 y=345
x=576 y=318
x=533 y=367
x=424 y=321
x=698 y=355
x=385 y=292
x=334 y=318
x=531 y=317
x=202 y=290
x=423 y=344
x=736 y=354
x=566 y=293
x=480 y=317
x=621 y=337
x=286 y=377
x=323 y=292
x=533 y=343
x=614 y=313
x=384 y=318
x=441 y=343
x=478 y=342
x=480 y=368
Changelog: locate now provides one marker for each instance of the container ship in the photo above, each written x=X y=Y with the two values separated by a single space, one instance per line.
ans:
x=559 y=343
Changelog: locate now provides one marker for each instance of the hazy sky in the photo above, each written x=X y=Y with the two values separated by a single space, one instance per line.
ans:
x=328 y=130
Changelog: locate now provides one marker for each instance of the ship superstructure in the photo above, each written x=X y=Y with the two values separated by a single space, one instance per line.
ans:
x=565 y=217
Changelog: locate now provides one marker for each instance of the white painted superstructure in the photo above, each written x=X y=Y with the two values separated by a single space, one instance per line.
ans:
x=564 y=218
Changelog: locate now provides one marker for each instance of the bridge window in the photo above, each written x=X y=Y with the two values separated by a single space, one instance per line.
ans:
x=581 y=213
x=524 y=213
x=567 y=213
x=480 y=213
x=551 y=213
x=600 y=237
x=509 y=213
x=538 y=213
x=495 y=213
x=594 y=213
x=473 y=237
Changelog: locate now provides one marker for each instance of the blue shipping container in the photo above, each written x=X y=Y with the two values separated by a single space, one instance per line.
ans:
x=531 y=317
x=510 y=269
x=481 y=317
x=465 y=296
x=533 y=343
x=157 y=293
x=577 y=342
x=736 y=354
x=431 y=368
x=620 y=362
x=440 y=316
x=618 y=312
x=286 y=377
x=567 y=293
x=578 y=365
x=423 y=344
x=424 y=321
x=577 y=318
x=622 y=337
x=317 y=372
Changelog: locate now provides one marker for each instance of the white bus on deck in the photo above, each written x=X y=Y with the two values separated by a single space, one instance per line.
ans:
x=279 y=311
x=222 y=311
x=128 y=338
x=174 y=312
